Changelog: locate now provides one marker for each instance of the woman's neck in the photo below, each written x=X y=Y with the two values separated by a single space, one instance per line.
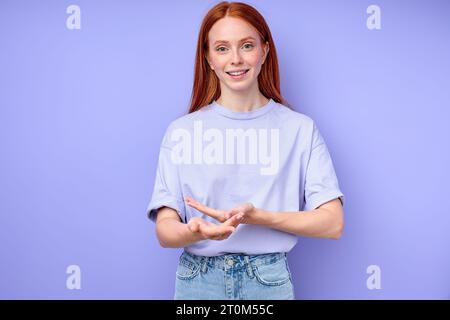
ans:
x=242 y=103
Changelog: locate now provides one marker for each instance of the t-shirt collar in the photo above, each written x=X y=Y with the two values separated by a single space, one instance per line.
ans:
x=243 y=115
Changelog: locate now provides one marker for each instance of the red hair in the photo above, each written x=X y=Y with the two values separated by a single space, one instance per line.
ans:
x=206 y=87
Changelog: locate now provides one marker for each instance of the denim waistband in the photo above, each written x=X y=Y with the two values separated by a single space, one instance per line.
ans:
x=233 y=260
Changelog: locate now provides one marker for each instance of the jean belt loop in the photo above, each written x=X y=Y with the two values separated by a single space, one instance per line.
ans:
x=204 y=264
x=249 y=267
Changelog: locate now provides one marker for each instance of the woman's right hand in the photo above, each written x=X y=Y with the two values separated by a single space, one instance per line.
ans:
x=208 y=230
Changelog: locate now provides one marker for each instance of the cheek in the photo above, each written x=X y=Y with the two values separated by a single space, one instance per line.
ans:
x=219 y=63
x=254 y=58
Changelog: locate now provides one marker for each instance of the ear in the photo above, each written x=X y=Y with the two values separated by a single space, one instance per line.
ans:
x=209 y=62
x=266 y=51
x=210 y=65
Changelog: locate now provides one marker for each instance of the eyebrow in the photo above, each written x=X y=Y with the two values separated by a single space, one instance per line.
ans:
x=224 y=41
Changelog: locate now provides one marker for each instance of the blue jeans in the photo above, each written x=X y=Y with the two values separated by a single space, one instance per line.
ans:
x=234 y=277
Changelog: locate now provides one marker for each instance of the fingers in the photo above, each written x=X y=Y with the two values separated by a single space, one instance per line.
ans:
x=232 y=212
x=216 y=232
x=211 y=230
x=213 y=213
x=245 y=207
x=230 y=220
x=234 y=220
x=193 y=227
x=243 y=210
x=194 y=224
x=228 y=214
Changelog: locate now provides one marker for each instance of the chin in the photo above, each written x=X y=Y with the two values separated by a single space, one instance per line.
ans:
x=239 y=87
x=247 y=83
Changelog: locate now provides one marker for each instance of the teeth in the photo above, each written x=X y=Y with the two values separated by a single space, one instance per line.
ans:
x=237 y=73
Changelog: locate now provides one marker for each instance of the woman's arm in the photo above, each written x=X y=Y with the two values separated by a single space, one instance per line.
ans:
x=327 y=221
x=172 y=233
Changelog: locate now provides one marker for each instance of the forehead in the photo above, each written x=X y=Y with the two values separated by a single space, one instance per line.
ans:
x=232 y=30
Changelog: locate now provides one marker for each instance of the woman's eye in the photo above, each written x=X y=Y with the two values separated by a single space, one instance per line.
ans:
x=247 y=46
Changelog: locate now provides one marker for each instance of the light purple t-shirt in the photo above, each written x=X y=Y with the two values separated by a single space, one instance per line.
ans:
x=273 y=157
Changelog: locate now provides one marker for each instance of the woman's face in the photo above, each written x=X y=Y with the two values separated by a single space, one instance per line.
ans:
x=235 y=45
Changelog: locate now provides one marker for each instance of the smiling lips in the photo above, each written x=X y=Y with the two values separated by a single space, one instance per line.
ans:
x=237 y=74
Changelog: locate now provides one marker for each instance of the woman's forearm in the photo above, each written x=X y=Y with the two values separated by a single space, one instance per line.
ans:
x=320 y=223
x=175 y=234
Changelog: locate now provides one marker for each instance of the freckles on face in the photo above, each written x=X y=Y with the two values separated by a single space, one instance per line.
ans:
x=233 y=43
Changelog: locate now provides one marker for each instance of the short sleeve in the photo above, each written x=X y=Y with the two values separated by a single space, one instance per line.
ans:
x=321 y=183
x=166 y=190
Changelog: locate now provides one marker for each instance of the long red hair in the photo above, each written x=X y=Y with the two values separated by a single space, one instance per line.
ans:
x=206 y=87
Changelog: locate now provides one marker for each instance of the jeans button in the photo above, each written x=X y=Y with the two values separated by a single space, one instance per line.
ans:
x=230 y=263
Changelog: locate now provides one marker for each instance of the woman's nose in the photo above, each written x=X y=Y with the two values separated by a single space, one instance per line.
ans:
x=236 y=59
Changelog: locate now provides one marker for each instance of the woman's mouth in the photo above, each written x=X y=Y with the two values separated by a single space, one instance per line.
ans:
x=238 y=75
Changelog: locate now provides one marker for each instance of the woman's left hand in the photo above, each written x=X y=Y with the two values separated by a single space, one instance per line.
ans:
x=247 y=209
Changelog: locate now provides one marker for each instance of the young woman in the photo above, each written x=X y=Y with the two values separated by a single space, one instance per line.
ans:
x=241 y=176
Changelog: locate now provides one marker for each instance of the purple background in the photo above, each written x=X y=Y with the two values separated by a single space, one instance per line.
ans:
x=83 y=113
